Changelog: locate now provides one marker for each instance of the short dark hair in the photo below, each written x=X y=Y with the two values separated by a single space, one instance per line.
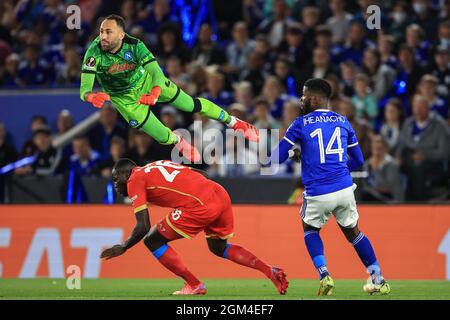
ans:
x=319 y=86
x=118 y=19
x=124 y=166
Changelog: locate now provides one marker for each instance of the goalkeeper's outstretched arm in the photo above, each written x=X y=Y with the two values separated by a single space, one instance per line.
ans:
x=87 y=83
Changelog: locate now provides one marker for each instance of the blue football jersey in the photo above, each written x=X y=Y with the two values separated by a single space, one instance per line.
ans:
x=324 y=137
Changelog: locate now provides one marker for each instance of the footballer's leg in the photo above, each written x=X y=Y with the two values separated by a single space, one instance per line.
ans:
x=314 y=245
x=221 y=228
x=366 y=253
x=315 y=214
x=242 y=256
x=181 y=100
x=158 y=245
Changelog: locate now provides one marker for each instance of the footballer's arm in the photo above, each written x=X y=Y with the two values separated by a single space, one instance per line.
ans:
x=87 y=83
x=141 y=228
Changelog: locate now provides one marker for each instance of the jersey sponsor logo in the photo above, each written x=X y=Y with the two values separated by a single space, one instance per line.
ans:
x=128 y=56
x=133 y=123
x=121 y=67
x=90 y=62
x=176 y=214
x=322 y=119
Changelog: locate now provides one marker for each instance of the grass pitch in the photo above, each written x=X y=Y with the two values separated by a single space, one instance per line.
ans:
x=218 y=289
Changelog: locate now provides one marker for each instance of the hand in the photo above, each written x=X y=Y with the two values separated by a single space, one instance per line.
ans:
x=112 y=252
x=294 y=154
x=150 y=99
x=97 y=99
x=418 y=156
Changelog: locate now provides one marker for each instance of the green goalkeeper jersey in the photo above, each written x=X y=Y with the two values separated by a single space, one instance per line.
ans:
x=125 y=76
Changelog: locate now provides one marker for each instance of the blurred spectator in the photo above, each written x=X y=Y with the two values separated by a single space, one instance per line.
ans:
x=263 y=118
x=442 y=71
x=239 y=159
x=291 y=111
x=400 y=18
x=426 y=16
x=152 y=16
x=175 y=72
x=117 y=150
x=64 y=123
x=355 y=44
x=141 y=153
x=386 y=50
x=170 y=44
x=384 y=183
x=29 y=147
x=216 y=89
x=348 y=71
x=243 y=94
x=423 y=150
x=83 y=162
x=382 y=76
x=70 y=72
x=9 y=74
x=339 y=22
x=239 y=48
x=254 y=72
x=392 y=123
x=8 y=153
x=365 y=104
x=262 y=46
x=362 y=130
x=275 y=26
x=428 y=88
x=49 y=161
x=321 y=66
x=287 y=76
x=274 y=94
x=34 y=70
x=294 y=47
x=408 y=73
x=198 y=80
x=310 y=20
x=415 y=39
x=206 y=51
x=109 y=126
x=336 y=92
x=323 y=39
x=443 y=40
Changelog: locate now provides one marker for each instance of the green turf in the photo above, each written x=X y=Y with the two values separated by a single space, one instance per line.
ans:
x=253 y=289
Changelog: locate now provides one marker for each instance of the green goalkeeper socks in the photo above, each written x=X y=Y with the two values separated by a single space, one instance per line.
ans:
x=213 y=111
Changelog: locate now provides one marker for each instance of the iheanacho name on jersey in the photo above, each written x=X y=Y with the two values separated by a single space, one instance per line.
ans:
x=322 y=119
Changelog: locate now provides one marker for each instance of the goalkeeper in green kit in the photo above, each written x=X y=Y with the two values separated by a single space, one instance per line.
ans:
x=133 y=81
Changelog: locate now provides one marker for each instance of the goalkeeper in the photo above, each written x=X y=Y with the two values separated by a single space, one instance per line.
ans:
x=133 y=81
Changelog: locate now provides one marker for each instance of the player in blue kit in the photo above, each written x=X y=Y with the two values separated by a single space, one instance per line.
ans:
x=326 y=138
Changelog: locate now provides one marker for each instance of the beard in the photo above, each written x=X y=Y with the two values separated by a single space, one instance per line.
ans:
x=305 y=107
x=108 y=47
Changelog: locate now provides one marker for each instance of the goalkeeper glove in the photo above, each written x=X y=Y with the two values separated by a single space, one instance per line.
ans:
x=150 y=99
x=97 y=99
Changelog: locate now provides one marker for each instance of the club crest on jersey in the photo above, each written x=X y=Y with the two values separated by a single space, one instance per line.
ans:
x=133 y=123
x=128 y=56
x=90 y=62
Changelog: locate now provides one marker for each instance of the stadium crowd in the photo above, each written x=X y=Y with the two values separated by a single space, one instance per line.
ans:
x=393 y=84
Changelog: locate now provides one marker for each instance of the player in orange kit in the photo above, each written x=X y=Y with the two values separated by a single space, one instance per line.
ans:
x=199 y=205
